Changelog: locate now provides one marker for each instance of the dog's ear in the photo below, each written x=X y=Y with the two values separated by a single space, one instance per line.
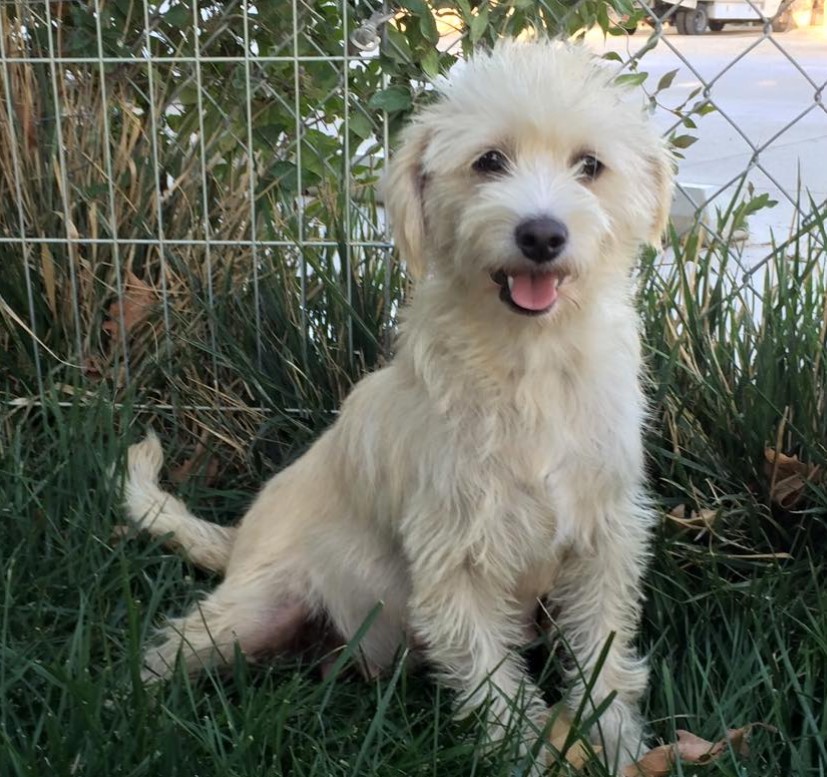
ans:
x=402 y=187
x=663 y=184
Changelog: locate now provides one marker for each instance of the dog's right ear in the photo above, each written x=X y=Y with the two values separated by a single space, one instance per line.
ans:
x=403 y=189
x=663 y=185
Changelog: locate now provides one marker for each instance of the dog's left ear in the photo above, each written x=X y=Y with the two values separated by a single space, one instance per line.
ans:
x=663 y=183
x=403 y=187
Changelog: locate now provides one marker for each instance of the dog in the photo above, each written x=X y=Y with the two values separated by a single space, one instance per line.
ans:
x=497 y=461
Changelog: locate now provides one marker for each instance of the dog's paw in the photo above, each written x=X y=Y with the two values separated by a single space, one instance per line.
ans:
x=158 y=663
x=151 y=675
x=143 y=498
x=620 y=733
x=145 y=459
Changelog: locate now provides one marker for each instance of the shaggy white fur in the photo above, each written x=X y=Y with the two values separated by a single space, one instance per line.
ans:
x=497 y=461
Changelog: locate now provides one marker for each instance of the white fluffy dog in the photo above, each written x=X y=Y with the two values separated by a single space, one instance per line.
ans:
x=497 y=462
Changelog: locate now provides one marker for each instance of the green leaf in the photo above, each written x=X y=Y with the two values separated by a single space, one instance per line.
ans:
x=174 y=121
x=285 y=175
x=226 y=143
x=393 y=99
x=758 y=203
x=179 y=16
x=602 y=16
x=666 y=80
x=188 y=93
x=430 y=63
x=397 y=47
x=465 y=11
x=631 y=79
x=479 y=24
x=361 y=125
x=427 y=26
x=683 y=141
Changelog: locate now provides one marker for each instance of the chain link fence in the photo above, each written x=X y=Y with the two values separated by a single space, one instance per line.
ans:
x=759 y=84
x=188 y=188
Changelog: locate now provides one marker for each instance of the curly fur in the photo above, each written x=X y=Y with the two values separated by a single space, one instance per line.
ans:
x=497 y=461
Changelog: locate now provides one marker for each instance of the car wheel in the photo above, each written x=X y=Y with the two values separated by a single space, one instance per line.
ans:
x=696 y=20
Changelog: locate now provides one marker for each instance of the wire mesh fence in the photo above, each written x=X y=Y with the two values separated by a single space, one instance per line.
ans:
x=760 y=93
x=189 y=188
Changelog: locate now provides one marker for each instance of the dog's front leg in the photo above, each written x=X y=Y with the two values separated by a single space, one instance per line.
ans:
x=599 y=599
x=467 y=625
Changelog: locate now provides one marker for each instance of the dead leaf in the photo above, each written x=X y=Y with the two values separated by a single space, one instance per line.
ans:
x=788 y=477
x=695 y=750
x=195 y=465
x=659 y=761
x=92 y=367
x=691 y=749
x=577 y=754
x=693 y=519
x=137 y=300
x=656 y=763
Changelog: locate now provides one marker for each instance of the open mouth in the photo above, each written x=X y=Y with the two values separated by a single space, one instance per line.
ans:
x=529 y=293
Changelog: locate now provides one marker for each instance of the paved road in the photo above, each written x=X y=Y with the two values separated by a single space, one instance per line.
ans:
x=762 y=94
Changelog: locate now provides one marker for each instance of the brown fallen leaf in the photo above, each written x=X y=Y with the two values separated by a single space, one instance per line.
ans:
x=136 y=301
x=690 y=749
x=578 y=754
x=788 y=477
x=92 y=367
x=193 y=464
x=693 y=519
x=659 y=761
x=656 y=763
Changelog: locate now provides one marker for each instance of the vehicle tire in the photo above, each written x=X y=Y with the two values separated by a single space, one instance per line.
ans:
x=716 y=25
x=680 y=22
x=782 y=21
x=696 y=20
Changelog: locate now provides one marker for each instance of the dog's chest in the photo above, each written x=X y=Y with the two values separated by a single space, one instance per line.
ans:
x=529 y=471
x=519 y=492
x=565 y=468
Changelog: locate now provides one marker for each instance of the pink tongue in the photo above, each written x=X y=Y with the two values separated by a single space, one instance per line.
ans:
x=534 y=292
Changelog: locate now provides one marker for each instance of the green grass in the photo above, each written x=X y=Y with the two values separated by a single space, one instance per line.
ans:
x=736 y=618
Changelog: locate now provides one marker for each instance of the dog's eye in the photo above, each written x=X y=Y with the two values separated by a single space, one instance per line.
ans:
x=590 y=167
x=491 y=162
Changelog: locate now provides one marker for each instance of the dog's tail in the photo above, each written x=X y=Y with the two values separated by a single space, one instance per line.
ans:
x=206 y=544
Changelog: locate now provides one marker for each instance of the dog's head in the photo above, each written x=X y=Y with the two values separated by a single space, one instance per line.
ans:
x=531 y=177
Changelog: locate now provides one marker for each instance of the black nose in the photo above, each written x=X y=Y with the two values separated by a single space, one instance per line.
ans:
x=541 y=239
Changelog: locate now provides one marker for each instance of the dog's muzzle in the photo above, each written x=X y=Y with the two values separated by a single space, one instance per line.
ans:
x=531 y=293
x=534 y=291
x=541 y=239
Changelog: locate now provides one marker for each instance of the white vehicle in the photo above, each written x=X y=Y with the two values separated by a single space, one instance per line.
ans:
x=693 y=17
